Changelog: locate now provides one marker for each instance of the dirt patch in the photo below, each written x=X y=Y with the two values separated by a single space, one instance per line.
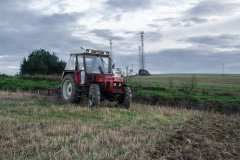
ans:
x=208 y=138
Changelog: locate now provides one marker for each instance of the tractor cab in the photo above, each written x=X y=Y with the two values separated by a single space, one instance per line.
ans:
x=90 y=71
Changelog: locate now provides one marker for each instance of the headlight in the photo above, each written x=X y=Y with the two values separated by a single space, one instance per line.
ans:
x=115 y=84
x=120 y=84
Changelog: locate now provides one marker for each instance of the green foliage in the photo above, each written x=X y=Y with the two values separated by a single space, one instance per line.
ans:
x=41 y=62
x=14 y=83
x=41 y=77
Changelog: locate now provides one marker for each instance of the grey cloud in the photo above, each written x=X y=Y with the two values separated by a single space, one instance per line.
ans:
x=118 y=17
x=163 y=19
x=23 y=30
x=9 y=64
x=212 y=8
x=185 y=21
x=13 y=4
x=219 y=41
x=33 y=30
x=130 y=32
x=59 y=19
x=152 y=36
x=186 y=60
x=192 y=61
x=154 y=25
x=106 y=34
x=128 y=5
x=195 y=20
x=191 y=21
x=109 y=18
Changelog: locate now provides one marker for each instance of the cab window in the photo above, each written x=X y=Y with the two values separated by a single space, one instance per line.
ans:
x=71 y=63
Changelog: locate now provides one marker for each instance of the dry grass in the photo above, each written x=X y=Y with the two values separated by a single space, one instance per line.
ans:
x=32 y=128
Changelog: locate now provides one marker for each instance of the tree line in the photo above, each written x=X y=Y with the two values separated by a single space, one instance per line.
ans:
x=41 y=62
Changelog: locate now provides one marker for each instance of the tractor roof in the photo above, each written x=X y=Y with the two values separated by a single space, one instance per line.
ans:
x=93 y=52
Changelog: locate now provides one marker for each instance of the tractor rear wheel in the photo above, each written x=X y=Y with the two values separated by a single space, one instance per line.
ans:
x=126 y=99
x=69 y=89
x=94 y=96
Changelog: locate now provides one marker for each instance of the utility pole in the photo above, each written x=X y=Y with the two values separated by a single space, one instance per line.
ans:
x=223 y=65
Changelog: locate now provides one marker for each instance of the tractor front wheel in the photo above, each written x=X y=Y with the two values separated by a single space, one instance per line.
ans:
x=126 y=99
x=94 y=96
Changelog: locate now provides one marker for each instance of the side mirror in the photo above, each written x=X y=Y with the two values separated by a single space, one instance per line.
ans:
x=113 y=65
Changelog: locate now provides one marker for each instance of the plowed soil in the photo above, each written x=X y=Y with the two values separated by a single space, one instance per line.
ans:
x=213 y=137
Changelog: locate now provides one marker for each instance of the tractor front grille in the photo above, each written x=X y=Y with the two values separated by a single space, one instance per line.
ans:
x=117 y=85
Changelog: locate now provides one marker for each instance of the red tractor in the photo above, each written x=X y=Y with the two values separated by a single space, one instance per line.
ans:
x=90 y=74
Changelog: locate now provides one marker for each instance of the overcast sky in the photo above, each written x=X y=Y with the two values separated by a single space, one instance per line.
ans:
x=181 y=36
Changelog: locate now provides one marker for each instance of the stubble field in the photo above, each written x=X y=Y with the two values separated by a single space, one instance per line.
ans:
x=36 y=127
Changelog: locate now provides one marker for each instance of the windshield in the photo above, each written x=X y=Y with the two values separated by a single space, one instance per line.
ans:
x=97 y=64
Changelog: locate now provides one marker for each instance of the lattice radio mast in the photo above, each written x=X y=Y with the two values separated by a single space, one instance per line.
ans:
x=143 y=65
x=139 y=57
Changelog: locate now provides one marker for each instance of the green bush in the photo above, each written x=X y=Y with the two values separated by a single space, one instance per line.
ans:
x=41 y=62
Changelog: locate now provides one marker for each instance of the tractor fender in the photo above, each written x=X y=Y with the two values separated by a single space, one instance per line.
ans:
x=75 y=75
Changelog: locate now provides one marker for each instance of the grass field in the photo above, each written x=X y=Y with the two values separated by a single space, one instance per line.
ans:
x=33 y=127
x=216 y=92
x=213 y=81
x=28 y=82
x=205 y=87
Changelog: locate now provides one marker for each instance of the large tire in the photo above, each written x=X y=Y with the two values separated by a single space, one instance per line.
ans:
x=69 y=89
x=94 y=96
x=126 y=99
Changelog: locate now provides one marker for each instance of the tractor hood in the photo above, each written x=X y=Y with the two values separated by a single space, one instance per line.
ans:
x=104 y=78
